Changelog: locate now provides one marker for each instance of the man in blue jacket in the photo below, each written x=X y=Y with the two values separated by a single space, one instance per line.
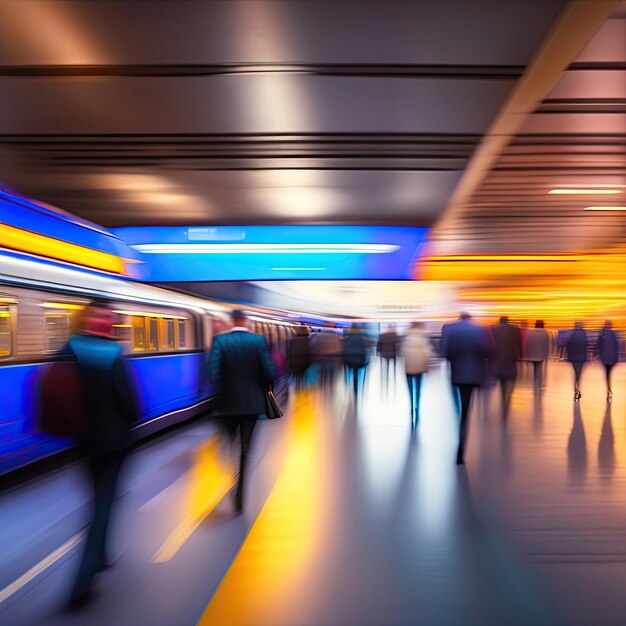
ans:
x=467 y=347
x=577 y=354
x=110 y=409
x=240 y=362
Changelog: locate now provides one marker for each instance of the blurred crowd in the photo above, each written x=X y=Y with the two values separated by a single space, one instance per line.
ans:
x=91 y=395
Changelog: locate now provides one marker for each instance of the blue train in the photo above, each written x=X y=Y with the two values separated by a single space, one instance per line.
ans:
x=166 y=335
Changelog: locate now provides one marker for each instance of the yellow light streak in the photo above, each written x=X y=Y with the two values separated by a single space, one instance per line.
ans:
x=33 y=243
x=506 y=257
x=148 y=314
x=62 y=305
x=205 y=484
x=590 y=286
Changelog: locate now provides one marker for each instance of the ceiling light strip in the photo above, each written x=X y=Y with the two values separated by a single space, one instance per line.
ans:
x=265 y=248
x=605 y=208
x=584 y=192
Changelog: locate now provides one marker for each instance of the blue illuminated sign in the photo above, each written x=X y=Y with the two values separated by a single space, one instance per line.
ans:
x=275 y=252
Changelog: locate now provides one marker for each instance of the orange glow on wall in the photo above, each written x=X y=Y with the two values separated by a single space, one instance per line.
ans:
x=558 y=288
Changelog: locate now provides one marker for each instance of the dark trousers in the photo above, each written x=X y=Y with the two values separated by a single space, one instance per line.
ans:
x=507 y=384
x=327 y=372
x=245 y=424
x=104 y=471
x=608 y=367
x=465 y=392
x=578 y=370
x=414 y=382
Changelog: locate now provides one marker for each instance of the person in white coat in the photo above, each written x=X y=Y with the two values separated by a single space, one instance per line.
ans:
x=416 y=351
x=536 y=351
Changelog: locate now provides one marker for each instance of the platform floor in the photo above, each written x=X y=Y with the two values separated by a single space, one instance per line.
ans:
x=351 y=518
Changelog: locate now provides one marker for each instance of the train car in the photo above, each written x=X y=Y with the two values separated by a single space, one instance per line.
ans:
x=166 y=336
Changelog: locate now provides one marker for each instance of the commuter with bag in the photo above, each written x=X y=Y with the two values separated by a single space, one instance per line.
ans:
x=98 y=403
x=240 y=362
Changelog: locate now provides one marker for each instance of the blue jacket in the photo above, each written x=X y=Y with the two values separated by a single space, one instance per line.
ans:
x=608 y=346
x=240 y=362
x=577 y=346
x=466 y=345
x=108 y=394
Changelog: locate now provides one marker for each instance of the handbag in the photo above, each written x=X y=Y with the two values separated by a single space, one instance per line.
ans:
x=272 y=408
x=61 y=406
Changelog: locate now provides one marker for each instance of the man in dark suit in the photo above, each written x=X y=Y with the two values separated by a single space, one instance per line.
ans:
x=467 y=347
x=507 y=351
x=241 y=363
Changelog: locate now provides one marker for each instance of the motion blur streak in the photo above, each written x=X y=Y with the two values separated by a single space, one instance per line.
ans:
x=268 y=570
x=563 y=287
x=206 y=482
x=25 y=241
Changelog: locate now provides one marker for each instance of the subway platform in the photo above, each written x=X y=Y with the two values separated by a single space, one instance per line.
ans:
x=350 y=517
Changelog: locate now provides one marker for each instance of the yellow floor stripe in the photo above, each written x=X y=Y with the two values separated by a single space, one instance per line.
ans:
x=205 y=484
x=284 y=536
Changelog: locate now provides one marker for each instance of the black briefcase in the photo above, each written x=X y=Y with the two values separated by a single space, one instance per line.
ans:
x=272 y=409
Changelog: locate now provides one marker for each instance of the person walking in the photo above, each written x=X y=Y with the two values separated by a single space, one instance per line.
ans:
x=416 y=352
x=299 y=355
x=507 y=348
x=608 y=350
x=110 y=409
x=577 y=354
x=328 y=350
x=387 y=351
x=467 y=347
x=355 y=355
x=537 y=350
x=241 y=363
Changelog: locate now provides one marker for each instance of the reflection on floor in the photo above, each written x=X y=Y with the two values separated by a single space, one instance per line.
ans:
x=353 y=519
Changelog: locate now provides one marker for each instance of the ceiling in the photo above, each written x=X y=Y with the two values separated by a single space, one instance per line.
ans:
x=457 y=114
x=573 y=137
x=263 y=111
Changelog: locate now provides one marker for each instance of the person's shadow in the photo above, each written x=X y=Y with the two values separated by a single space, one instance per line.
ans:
x=537 y=414
x=606 y=446
x=577 y=447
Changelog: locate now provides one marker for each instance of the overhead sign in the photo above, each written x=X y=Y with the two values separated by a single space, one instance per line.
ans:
x=223 y=253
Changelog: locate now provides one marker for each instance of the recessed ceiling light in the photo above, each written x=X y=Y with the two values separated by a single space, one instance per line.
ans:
x=605 y=208
x=584 y=192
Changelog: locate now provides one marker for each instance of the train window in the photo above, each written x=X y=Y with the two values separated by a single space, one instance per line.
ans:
x=57 y=330
x=167 y=342
x=182 y=335
x=139 y=333
x=153 y=333
x=6 y=334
